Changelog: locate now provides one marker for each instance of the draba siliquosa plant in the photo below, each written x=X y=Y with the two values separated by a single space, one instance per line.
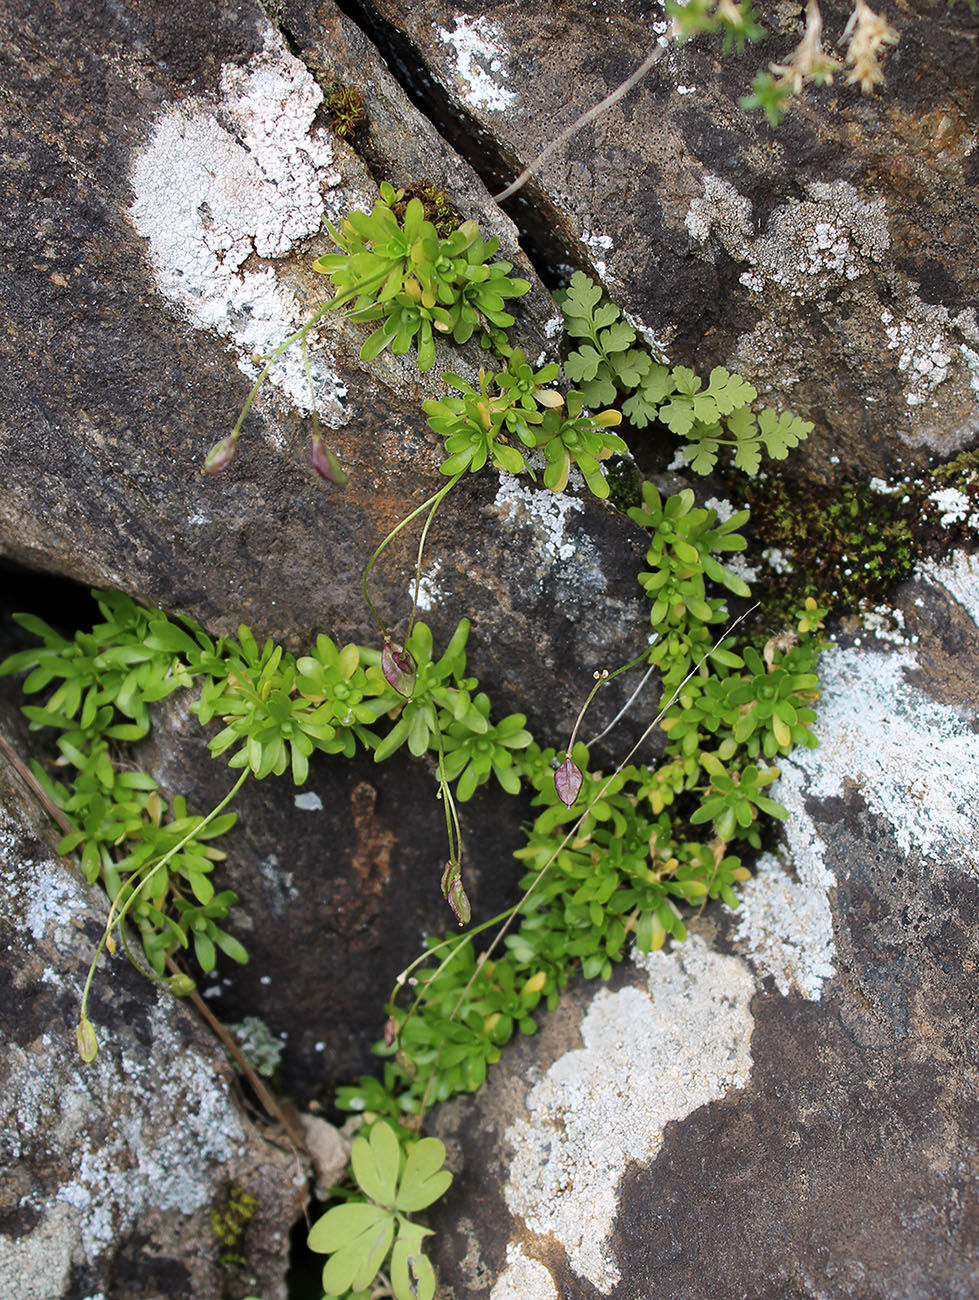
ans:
x=612 y=860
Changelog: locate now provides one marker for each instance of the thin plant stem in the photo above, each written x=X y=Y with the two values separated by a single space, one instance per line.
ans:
x=600 y=679
x=418 y=563
x=312 y=392
x=433 y=501
x=625 y=708
x=596 y=111
x=114 y=920
x=272 y=358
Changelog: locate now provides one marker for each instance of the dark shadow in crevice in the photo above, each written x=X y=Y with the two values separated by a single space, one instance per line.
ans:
x=544 y=235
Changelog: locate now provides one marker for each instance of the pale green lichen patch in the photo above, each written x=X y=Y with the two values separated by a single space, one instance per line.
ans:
x=649 y=1055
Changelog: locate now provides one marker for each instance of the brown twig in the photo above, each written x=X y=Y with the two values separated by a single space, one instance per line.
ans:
x=595 y=111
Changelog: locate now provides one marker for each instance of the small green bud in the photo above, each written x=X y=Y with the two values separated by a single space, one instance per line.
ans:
x=181 y=985
x=88 y=1044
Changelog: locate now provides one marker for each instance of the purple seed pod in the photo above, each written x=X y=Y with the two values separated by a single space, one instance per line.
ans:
x=399 y=669
x=567 y=781
x=220 y=456
x=459 y=901
x=325 y=463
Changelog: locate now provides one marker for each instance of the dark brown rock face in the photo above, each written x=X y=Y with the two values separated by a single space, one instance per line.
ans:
x=832 y=262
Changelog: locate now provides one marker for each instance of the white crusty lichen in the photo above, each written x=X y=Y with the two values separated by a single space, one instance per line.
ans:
x=480 y=70
x=523 y=1278
x=824 y=248
x=808 y=245
x=223 y=185
x=144 y=1127
x=546 y=514
x=649 y=1055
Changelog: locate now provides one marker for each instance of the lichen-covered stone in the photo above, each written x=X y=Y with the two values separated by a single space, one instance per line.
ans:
x=784 y=1104
x=109 y=1172
x=166 y=225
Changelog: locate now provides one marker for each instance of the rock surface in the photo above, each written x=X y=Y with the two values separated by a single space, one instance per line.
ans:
x=832 y=262
x=109 y=1172
x=785 y=1105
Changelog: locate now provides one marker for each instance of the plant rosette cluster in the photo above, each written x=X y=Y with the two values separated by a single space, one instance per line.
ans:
x=512 y=412
x=415 y=282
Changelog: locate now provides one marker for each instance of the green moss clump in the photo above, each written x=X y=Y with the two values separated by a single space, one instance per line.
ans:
x=228 y=1223
x=850 y=544
x=345 y=104
x=438 y=210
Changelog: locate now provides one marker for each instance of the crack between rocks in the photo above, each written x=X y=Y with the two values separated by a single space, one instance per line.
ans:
x=544 y=233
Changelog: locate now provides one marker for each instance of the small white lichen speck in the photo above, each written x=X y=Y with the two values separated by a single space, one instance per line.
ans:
x=953 y=504
x=218 y=183
x=479 y=57
x=649 y=1056
x=546 y=513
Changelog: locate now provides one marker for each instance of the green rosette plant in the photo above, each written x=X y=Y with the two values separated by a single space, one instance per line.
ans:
x=415 y=282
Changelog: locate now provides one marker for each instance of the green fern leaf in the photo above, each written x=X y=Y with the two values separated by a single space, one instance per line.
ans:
x=780 y=433
x=747 y=457
x=618 y=338
x=600 y=390
x=607 y=314
x=729 y=391
x=630 y=367
x=702 y=455
x=580 y=301
x=642 y=408
x=583 y=364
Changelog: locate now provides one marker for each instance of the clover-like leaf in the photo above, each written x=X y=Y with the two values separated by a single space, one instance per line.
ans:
x=357 y=1237
x=375 y=1162
x=424 y=1180
x=412 y=1275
